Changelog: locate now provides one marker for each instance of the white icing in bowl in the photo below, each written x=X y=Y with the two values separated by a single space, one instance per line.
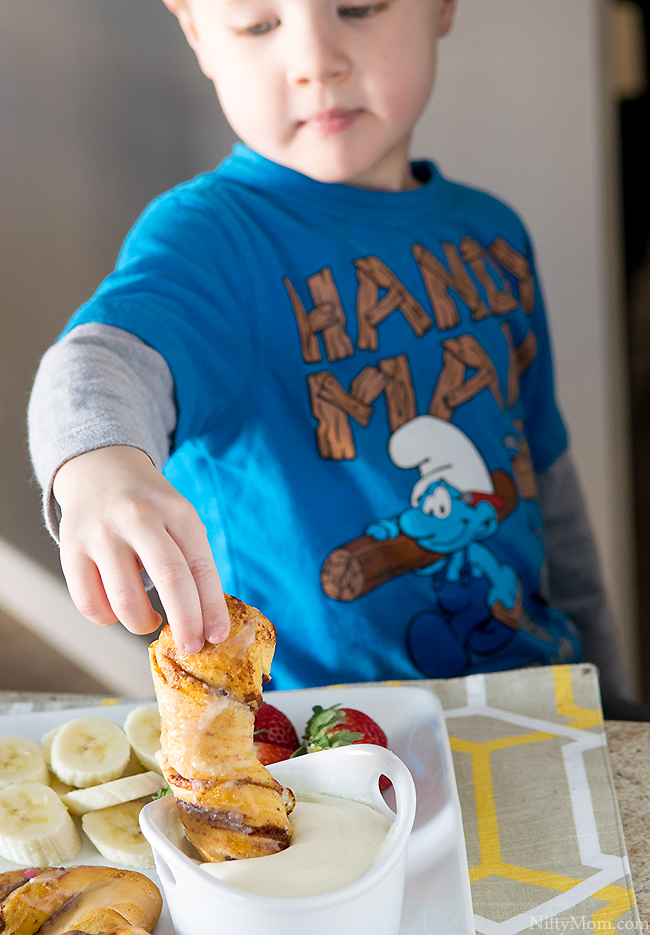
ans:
x=335 y=841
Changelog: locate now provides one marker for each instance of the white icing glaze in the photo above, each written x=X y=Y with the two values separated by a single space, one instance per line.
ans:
x=190 y=741
x=335 y=841
x=239 y=645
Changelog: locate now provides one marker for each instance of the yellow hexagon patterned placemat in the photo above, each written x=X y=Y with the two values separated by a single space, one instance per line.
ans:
x=544 y=838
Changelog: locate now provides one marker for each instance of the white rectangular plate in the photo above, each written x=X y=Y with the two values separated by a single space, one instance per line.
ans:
x=437 y=896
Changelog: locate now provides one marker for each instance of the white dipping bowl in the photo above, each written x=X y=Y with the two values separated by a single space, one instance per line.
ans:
x=199 y=904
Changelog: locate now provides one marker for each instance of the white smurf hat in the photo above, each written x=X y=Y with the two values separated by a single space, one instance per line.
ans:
x=441 y=452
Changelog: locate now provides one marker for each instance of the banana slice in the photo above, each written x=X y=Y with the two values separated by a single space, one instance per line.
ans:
x=116 y=834
x=88 y=751
x=59 y=787
x=21 y=760
x=35 y=826
x=46 y=744
x=134 y=766
x=142 y=727
x=112 y=793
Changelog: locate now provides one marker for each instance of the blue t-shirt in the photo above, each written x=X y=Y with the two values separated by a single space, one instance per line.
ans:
x=365 y=393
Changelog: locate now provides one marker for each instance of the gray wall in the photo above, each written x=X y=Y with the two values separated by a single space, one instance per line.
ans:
x=102 y=107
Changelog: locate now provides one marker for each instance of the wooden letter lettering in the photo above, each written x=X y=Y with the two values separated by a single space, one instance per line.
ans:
x=519 y=360
x=526 y=352
x=374 y=275
x=439 y=281
x=513 y=368
x=453 y=389
x=400 y=395
x=522 y=465
x=329 y=404
x=332 y=406
x=499 y=300
x=517 y=264
x=327 y=317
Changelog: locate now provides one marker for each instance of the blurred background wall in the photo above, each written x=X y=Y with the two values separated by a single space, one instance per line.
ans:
x=102 y=107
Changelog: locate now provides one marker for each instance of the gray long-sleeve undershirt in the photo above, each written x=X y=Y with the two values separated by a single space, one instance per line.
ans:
x=101 y=386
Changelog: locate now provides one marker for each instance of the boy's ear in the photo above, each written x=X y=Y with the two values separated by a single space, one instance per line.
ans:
x=447 y=13
x=182 y=12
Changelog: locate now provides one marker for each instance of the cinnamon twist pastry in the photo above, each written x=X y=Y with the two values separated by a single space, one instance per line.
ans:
x=229 y=803
x=89 y=900
x=124 y=930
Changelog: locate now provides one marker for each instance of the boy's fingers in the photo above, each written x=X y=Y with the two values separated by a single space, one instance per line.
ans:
x=86 y=589
x=168 y=569
x=122 y=584
x=200 y=561
x=218 y=629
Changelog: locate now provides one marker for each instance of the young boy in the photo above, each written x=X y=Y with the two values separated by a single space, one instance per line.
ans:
x=341 y=360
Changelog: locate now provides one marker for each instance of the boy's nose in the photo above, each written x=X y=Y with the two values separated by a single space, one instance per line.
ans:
x=318 y=58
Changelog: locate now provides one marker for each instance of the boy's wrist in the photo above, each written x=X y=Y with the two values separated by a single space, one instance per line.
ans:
x=96 y=462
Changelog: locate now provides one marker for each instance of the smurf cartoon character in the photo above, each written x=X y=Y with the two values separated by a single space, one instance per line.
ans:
x=453 y=510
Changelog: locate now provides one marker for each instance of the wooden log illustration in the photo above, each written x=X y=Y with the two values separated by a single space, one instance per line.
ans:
x=363 y=564
x=354 y=569
x=510 y=618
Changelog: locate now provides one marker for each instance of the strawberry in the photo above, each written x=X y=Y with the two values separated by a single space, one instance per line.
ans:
x=338 y=727
x=274 y=727
x=268 y=753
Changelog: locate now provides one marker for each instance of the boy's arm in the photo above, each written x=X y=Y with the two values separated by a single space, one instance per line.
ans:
x=100 y=418
x=97 y=386
x=574 y=579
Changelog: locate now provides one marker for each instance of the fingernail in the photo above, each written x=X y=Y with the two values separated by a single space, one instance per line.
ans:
x=194 y=646
x=216 y=635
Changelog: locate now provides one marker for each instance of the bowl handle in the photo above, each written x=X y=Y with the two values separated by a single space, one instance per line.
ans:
x=352 y=772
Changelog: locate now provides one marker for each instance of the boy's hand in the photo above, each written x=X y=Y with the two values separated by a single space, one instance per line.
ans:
x=120 y=515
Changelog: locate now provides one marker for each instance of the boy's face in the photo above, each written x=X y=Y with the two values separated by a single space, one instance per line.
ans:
x=330 y=89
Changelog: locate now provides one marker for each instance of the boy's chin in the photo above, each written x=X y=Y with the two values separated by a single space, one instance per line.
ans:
x=329 y=176
x=331 y=171
x=335 y=172
x=342 y=166
x=389 y=172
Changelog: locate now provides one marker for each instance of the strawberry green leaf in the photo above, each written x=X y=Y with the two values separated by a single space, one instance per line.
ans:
x=320 y=733
x=161 y=793
x=300 y=751
x=322 y=721
x=343 y=738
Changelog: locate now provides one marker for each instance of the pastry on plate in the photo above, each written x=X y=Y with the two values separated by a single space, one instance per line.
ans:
x=92 y=900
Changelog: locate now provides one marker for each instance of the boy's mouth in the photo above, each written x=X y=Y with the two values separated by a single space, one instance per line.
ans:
x=325 y=122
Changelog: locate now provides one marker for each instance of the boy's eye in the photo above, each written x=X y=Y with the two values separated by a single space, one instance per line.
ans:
x=361 y=12
x=260 y=29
